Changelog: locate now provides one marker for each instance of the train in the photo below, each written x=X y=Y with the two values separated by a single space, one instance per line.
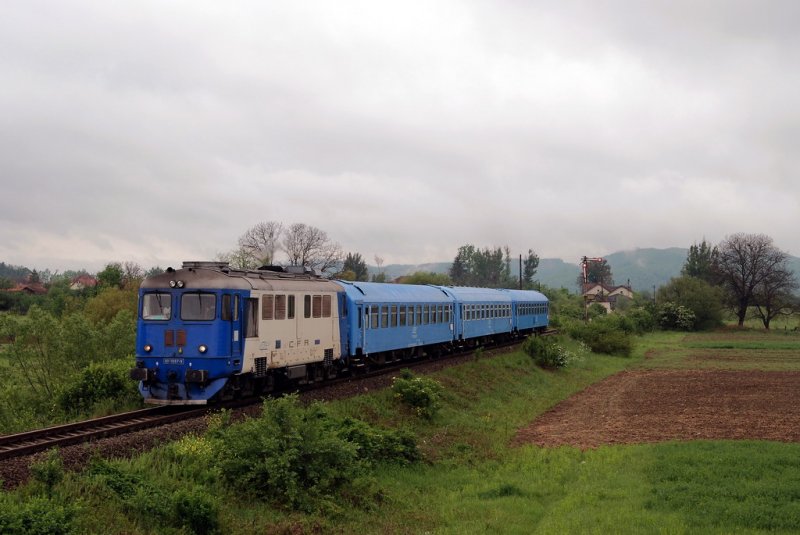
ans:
x=208 y=332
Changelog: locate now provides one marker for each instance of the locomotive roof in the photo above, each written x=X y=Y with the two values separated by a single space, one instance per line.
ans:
x=224 y=278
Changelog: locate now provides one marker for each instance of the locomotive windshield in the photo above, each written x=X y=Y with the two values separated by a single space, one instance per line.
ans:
x=198 y=306
x=157 y=306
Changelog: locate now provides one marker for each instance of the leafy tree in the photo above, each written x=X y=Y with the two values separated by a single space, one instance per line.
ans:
x=427 y=277
x=695 y=294
x=744 y=263
x=153 y=271
x=597 y=273
x=529 y=266
x=112 y=276
x=36 y=349
x=354 y=263
x=700 y=262
x=102 y=308
x=309 y=246
x=482 y=267
x=5 y=283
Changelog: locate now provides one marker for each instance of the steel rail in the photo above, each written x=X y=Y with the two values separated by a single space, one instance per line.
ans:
x=30 y=442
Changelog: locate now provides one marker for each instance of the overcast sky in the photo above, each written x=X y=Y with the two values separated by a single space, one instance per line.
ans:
x=159 y=131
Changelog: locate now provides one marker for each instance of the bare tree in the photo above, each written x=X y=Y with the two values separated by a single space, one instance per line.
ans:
x=257 y=246
x=132 y=274
x=745 y=262
x=775 y=295
x=309 y=246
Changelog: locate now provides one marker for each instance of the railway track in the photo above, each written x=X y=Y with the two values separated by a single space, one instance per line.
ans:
x=65 y=435
x=30 y=442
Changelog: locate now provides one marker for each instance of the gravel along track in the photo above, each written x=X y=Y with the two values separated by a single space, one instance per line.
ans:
x=660 y=405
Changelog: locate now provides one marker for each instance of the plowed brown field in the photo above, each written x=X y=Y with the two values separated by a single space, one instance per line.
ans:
x=659 y=405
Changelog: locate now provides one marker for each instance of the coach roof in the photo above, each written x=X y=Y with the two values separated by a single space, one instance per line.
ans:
x=375 y=292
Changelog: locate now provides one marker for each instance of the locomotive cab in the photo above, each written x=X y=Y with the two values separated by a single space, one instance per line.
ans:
x=189 y=338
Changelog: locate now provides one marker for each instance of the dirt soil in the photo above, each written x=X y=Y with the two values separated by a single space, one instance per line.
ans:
x=659 y=405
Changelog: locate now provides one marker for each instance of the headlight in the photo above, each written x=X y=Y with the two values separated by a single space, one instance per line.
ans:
x=180 y=284
x=172 y=284
x=148 y=348
x=202 y=348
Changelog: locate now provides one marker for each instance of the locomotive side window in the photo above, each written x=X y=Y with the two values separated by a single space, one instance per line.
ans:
x=280 y=307
x=306 y=306
x=157 y=306
x=251 y=318
x=266 y=307
x=225 y=309
x=198 y=306
x=291 y=307
x=317 y=306
x=326 y=306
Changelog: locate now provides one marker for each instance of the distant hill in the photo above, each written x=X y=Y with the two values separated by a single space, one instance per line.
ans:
x=647 y=267
x=644 y=268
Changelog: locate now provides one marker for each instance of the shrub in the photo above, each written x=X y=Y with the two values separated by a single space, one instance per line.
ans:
x=642 y=319
x=604 y=335
x=49 y=471
x=421 y=394
x=677 y=317
x=290 y=455
x=98 y=382
x=196 y=510
x=36 y=516
x=378 y=445
x=154 y=506
x=545 y=352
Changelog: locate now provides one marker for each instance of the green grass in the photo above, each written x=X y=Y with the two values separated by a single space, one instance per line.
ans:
x=724 y=349
x=474 y=480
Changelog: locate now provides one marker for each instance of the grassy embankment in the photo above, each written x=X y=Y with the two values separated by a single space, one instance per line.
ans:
x=719 y=487
x=473 y=481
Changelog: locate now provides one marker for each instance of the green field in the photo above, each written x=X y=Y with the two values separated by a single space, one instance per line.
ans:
x=473 y=480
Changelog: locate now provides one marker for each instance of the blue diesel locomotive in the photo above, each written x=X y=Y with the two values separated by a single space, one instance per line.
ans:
x=208 y=331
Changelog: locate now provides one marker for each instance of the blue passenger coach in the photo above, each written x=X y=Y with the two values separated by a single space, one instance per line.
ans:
x=530 y=310
x=396 y=318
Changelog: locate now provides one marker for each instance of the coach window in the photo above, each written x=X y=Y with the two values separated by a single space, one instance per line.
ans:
x=280 y=307
x=402 y=315
x=198 y=306
x=393 y=317
x=290 y=308
x=384 y=317
x=373 y=310
x=251 y=318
